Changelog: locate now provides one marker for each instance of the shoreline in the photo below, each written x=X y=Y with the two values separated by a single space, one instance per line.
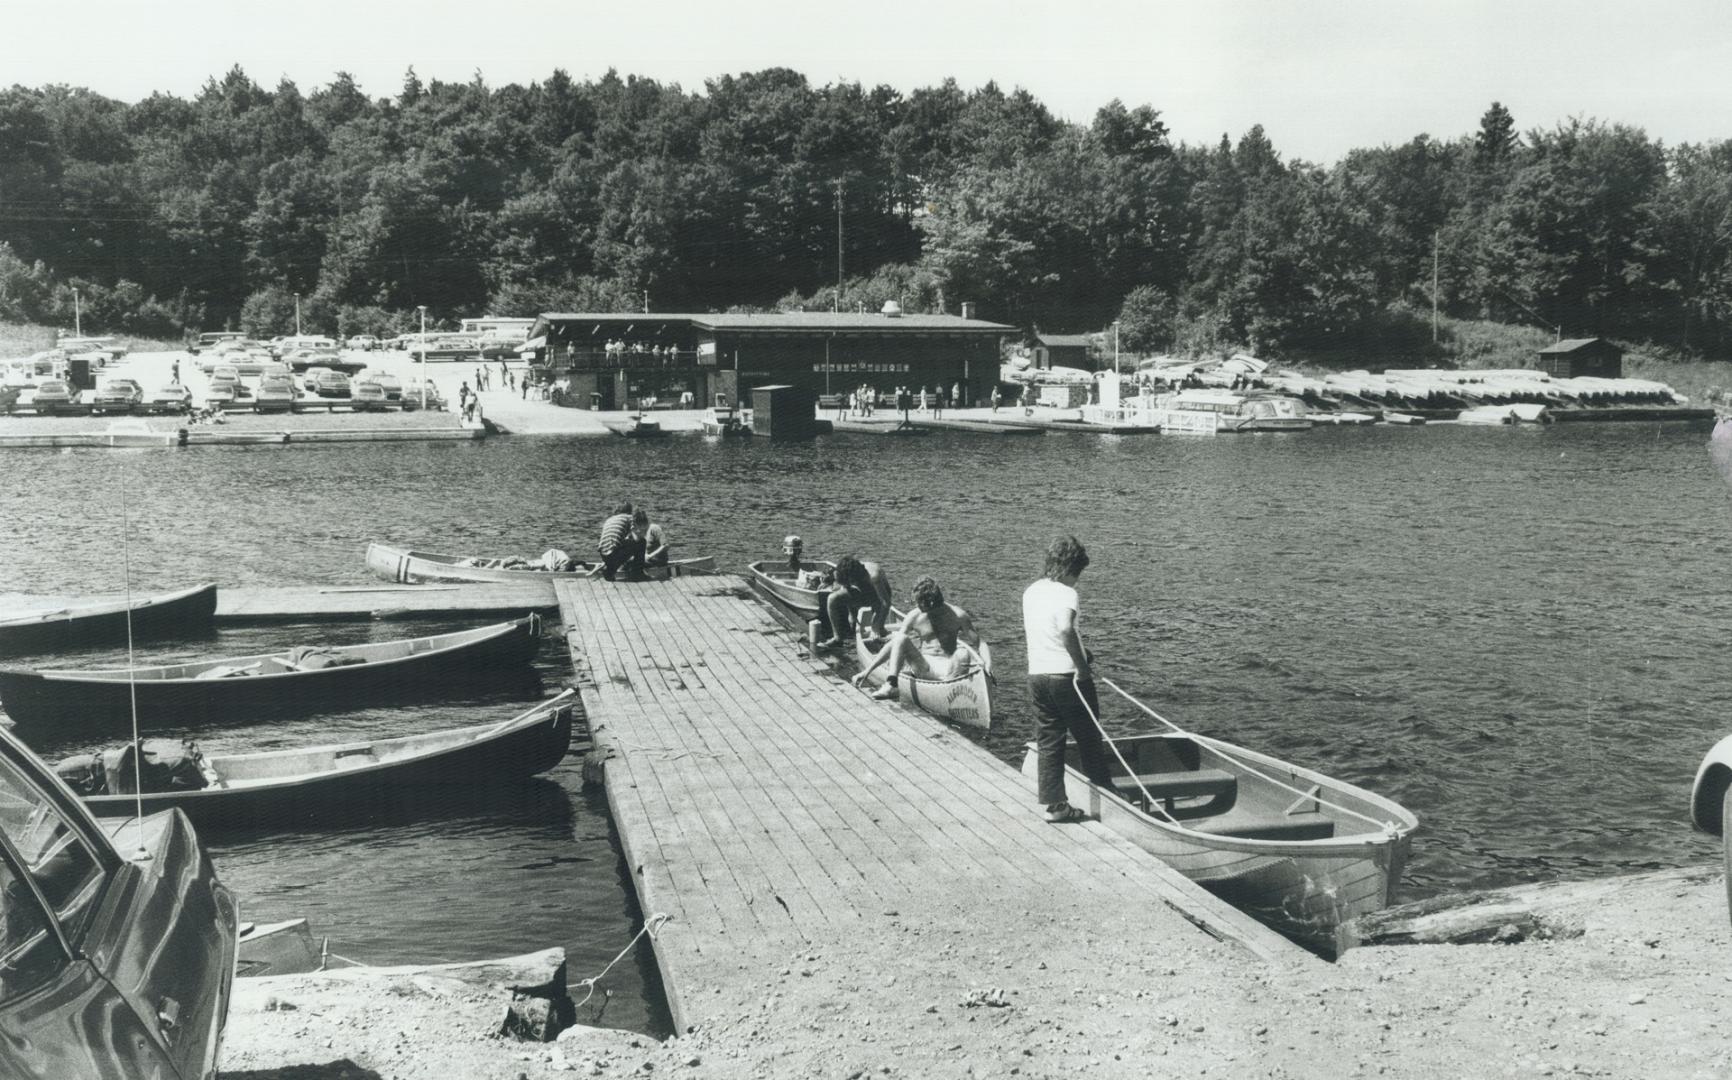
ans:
x=1631 y=993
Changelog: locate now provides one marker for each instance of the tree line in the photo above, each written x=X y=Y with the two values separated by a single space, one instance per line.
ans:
x=765 y=192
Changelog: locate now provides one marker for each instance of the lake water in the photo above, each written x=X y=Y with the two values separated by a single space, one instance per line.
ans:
x=1515 y=632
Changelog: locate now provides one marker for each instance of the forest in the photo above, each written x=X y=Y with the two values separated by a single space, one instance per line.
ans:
x=764 y=192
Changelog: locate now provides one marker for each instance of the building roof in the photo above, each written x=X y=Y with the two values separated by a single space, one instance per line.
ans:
x=1569 y=345
x=797 y=321
x=1065 y=341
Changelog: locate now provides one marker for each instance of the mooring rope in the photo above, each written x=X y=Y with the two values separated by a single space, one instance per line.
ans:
x=1148 y=799
x=1214 y=747
x=650 y=926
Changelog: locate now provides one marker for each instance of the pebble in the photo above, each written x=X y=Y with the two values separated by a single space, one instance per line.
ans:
x=1638 y=997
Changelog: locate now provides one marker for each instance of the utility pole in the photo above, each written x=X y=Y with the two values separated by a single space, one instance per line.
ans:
x=837 y=306
x=646 y=301
x=77 y=316
x=1434 y=235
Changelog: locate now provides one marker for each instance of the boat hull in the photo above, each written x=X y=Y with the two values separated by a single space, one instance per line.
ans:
x=1302 y=888
x=455 y=766
x=773 y=580
x=56 y=703
x=181 y=614
x=426 y=568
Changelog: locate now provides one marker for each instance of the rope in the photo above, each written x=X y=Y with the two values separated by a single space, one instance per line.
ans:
x=1148 y=799
x=650 y=926
x=1215 y=747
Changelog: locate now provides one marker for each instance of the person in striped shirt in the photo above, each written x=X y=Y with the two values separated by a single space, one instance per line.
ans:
x=617 y=545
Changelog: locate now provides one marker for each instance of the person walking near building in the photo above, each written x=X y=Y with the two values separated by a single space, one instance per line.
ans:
x=995 y=398
x=956 y=401
x=1061 y=681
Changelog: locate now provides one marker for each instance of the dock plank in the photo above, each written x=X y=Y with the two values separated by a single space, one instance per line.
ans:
x=769 y=807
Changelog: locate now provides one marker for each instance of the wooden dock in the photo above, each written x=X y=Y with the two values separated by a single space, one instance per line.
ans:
x=767 y=807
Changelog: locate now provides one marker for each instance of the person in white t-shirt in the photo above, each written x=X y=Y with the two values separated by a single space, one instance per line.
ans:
x=1060 y=680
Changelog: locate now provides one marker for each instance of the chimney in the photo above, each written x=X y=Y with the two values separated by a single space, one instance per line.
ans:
x=968 y=309
x=892 y=310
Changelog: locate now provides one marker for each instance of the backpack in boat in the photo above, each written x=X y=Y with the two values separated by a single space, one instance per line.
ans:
x=164 y=765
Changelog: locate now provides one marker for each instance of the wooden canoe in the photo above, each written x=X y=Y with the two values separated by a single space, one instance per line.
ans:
x=283 y=788
x=424 y=567
x=775 y=580
x=264 y=686
x=964 y=700
x=1297 y=849
x=175 y=614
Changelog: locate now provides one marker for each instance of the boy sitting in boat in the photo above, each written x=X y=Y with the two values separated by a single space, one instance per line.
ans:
x=861 y=587
x=936 y=641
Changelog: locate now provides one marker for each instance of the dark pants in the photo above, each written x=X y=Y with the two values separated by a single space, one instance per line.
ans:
x=1062 y=712
x=627 y=556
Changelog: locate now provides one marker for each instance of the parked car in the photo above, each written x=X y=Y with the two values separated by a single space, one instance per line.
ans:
x=275 y=367
x=47 y=361
x=412 y=396
x=367 y=394
x=109 y=966
x=392 y=385
x=332 y=384
x=117 y=395
x=226 y=375
x=172 y=398
x=365 y=342
x=212 y=339
x=303 y=358
x=54 y=395
x=310 y=378
x=275 y=393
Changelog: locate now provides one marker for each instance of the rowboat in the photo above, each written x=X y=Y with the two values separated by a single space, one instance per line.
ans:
x=965 y=699
x=424 y=567
x=268 y=685
x=776 y=580
x=1299 y=850
x=280 y=948
x=166 y=615
x=284 y=788
x=638 y=428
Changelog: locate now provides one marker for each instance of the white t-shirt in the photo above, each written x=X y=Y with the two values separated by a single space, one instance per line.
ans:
x=1044 y=605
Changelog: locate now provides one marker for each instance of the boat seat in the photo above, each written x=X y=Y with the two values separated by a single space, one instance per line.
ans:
x=1272 y=827
x=1187 y=783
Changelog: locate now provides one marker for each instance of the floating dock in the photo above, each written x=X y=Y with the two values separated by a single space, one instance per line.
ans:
x=767 y=807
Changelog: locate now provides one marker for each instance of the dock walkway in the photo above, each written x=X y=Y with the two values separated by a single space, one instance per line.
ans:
x=767 y=807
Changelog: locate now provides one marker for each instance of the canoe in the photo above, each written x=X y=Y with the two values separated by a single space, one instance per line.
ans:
x=423 y=567
x=259 y=687
x=1299 y=850
x=347 y=781
x=964 y=700
x=775 y=580
x=176 y=614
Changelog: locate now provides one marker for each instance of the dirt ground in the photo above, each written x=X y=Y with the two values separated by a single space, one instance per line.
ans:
x=1637 y=994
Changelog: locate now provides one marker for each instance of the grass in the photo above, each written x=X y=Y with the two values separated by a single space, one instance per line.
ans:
x=22 y=339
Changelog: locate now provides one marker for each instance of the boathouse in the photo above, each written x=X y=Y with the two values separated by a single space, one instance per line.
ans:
x=619 y=361
x=1063 y=350
x=1595 y=357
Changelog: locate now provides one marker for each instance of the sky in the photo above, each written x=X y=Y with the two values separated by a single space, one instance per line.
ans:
x=1321 y=76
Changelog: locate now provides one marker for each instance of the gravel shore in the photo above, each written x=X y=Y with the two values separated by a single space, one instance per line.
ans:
x=1636 y=994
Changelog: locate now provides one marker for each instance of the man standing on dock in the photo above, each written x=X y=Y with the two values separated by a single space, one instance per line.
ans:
x=1061 y=681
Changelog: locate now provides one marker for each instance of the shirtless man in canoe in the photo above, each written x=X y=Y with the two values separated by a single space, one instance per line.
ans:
x=936 y=641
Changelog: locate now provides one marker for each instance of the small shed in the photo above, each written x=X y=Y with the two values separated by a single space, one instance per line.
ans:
x=1595 y=357
x=1063 y=350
